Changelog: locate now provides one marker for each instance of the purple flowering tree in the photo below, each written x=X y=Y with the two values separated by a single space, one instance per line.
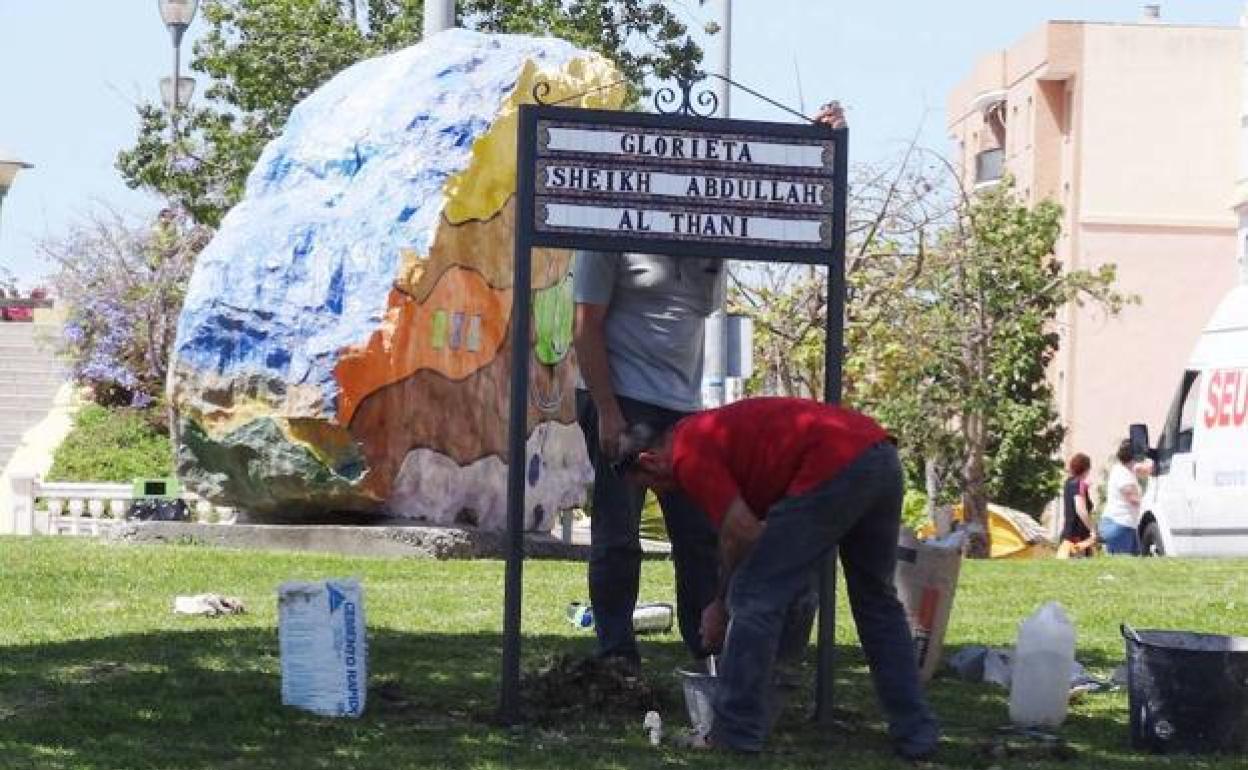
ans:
x=122 y=287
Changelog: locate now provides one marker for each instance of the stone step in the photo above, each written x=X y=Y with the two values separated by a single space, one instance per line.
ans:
x=25 y=400
x=44 y=339
x=28 y=331
x=38 y=362
x=44 y=376
x=34 y=366
x=21 y=417
x=44 y=389
x=9 y=349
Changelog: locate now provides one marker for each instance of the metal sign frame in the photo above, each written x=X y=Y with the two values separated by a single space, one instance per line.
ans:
x=830 y=252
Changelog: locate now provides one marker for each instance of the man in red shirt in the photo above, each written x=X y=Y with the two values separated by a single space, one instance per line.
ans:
x=785 y=480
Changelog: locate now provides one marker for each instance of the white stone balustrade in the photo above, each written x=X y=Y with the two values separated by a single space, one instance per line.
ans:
x=73 y=508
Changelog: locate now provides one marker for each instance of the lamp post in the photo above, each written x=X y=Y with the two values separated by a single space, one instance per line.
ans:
x=176 y=91
x=9 y=167
x=439 y=15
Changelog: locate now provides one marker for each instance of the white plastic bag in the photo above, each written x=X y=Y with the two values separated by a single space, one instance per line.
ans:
x=323 y=647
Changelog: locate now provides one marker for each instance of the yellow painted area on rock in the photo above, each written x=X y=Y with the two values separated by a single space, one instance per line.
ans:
x=231 y=410
x=327 y=442
x=481 y=245
x=481 y=189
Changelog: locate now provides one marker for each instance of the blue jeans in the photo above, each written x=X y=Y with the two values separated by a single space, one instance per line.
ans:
x=1118 y=539
x=860 y=510
x=615 y=548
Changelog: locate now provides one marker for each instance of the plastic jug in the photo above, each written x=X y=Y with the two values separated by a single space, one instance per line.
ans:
x=1044 y=658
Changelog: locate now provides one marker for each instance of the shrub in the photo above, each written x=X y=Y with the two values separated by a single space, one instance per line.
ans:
x=122 y=287
x=117 y=445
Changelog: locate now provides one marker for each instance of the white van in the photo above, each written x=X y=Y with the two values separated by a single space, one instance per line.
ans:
x=1197 y=502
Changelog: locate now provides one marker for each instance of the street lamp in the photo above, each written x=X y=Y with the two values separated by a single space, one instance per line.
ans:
x=177 y=15
x=9 y=166
x=186 y=89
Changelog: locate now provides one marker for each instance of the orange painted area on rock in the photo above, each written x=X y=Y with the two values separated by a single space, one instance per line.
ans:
x=454 y=332
x=484 y=246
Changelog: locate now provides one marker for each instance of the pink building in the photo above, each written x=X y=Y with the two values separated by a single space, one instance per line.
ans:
x=1134 y=129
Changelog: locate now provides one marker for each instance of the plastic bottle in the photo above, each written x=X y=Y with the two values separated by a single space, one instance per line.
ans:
x=653 y=725
x=1044 y=658
x=653 y=617
x=580 y=615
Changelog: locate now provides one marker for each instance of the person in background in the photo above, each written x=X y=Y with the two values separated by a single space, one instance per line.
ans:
x=1122 y=505
x=1077 y=538
x=786 y=480
x=640 y=323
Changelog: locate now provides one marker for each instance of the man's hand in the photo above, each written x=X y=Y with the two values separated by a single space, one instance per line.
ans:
x=832 y=114
x=611 y=424
x=714 y=624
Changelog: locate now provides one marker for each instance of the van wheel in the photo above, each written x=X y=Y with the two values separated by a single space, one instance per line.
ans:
x=1150 y=540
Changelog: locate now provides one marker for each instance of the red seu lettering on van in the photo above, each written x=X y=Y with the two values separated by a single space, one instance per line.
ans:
x=1227 y=399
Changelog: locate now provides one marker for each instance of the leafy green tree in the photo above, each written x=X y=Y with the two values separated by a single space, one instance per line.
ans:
x=950 y=318
x=264 y=56
x=982 y=338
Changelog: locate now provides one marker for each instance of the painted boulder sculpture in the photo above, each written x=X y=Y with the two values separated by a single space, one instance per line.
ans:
x=345 y=342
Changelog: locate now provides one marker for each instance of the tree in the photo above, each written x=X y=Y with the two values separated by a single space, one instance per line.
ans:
x=895 y=210
x=264 y=56
x=981 y=334
x=949 y=333
x=122 y=287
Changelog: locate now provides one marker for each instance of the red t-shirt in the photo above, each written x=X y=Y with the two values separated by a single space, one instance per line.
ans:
x=765 y=449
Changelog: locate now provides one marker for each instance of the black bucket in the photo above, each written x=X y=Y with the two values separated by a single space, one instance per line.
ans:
x=1187 y=692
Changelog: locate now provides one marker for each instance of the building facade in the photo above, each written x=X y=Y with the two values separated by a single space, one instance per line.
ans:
x=1134 y=130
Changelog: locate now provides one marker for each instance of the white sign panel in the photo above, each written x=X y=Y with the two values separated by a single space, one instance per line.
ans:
x=680 y=146
x=651 y=222
x=556 y=178
x=683 y=183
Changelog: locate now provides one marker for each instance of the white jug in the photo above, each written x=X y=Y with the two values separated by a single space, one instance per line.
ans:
x=1044 y=658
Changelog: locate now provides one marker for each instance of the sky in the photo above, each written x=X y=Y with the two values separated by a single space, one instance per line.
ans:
x=72 y=72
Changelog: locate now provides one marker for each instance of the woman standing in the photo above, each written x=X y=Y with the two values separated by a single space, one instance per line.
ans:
x=1122 y=506
x=1077 y=537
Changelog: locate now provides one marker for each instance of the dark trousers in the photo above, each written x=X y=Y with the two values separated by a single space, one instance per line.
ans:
x=859 y=510
x=615 y=550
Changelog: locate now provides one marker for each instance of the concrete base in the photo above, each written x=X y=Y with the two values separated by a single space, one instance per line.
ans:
x=394 y=541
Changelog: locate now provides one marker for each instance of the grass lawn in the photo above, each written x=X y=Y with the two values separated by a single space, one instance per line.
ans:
x=96 y=671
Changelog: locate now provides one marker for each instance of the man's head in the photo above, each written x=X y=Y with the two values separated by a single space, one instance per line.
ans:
x=645 y=457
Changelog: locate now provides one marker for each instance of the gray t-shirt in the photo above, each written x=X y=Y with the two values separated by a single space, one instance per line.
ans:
x=657 y=309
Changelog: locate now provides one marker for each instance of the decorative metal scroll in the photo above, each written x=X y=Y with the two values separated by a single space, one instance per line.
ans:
x=681 y=96
x=669 y=101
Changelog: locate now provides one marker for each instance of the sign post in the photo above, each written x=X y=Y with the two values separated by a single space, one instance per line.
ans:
x=685 y=186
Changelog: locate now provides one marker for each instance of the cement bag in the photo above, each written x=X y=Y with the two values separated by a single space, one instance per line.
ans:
x=323 y=647
x=927 y=577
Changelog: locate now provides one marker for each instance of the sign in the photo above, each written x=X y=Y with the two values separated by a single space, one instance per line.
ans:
x=685 y=186
x=620 y=181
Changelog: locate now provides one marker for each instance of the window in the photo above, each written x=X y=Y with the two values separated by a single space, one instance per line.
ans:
x=1176 y=437
x=989 y=166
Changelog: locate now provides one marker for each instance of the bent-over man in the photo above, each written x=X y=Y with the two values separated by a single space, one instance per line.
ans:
x=786 y=480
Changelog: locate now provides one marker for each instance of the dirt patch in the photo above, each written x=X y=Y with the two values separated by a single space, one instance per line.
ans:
x=586 y=688
x=1031 y=746
x=14 y=704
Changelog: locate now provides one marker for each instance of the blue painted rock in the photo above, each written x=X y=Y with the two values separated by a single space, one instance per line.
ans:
x=345 y=345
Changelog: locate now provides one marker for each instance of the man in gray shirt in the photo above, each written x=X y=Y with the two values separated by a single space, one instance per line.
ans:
x=640 y=320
